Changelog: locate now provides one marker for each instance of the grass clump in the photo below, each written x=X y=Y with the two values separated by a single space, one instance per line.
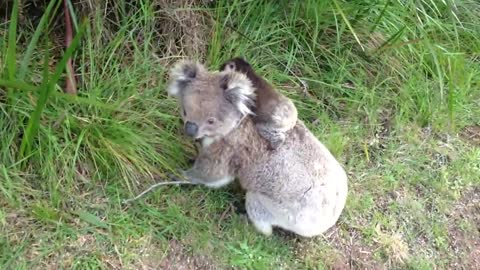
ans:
x=391 y=87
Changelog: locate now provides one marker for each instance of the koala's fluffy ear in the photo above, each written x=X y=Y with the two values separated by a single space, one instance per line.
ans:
x=181 y=74
x=239 y=91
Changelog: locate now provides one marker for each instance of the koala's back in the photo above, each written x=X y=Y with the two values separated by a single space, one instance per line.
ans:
x=302 y=176
x=301 y=162
x=299 y=186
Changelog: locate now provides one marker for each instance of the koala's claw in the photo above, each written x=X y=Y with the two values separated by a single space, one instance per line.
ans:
x=277 y=141
x=274 y=145
x=185 y=176
x=274 y=138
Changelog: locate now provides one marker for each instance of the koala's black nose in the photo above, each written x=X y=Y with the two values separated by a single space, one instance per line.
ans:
x=191 y=129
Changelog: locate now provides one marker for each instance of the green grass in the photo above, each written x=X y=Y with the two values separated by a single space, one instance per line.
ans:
x=391 y=87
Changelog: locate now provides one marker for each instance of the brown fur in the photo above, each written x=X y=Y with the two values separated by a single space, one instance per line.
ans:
x=266 y=96
x=274 y=113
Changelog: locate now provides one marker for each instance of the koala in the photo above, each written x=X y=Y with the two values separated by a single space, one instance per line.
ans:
x=274 y=113
x=300 y=187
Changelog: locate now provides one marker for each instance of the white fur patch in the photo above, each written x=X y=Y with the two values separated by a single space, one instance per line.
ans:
x=221 y=182
x=180 y=72
x=228 y=68
x=244 y=91
x=318 y=166
x=207 y=141
x=172 y=89
x=263 y=227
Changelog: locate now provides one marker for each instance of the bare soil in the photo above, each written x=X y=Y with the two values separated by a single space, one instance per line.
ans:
x=471 y=134
x=465 y=242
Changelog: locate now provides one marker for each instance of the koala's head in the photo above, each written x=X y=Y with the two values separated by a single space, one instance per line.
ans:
x=239 y=64
x=212 y=103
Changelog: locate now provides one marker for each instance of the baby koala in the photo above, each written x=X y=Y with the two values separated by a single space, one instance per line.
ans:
x=299 y=187
x=275 y=114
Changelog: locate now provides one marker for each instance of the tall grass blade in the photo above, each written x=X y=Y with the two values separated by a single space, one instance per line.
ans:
x=348 y=24
x=382 y=13
x=68 y=53
x=438 y=68
x=73 y=16
x=23 y=86
x=34 y=121
x=12 y=42
x=47 y=87
x=390 y=40
x=33 y=42
x=17 y=85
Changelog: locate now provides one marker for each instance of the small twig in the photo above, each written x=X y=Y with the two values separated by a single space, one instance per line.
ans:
x=230 y=208
x=155 y=186
x=304 y=87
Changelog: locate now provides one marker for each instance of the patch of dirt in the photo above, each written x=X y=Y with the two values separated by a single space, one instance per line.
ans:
x=177 y=258
x=471 y=134
x=373 y=146
x=69 y=254
x=394 y=245
x=148 y=256
x=474 y=258
x=349 y=252
x=386 y=124
x=465 y=242
x=357 y=255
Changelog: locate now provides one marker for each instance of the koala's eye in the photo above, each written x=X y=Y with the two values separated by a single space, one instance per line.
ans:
x=211 y=121
x=184 y=112
x=232 y=66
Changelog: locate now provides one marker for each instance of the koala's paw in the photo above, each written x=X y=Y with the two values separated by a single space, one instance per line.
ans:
x=184 y=176
x=274 y=137
x=173 y=177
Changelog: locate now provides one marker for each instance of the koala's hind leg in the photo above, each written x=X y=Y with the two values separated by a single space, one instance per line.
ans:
x=275 y=137
x=258 y=213
x=273 y=123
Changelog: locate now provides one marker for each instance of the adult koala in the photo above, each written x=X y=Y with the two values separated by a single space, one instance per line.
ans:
x=299 y=187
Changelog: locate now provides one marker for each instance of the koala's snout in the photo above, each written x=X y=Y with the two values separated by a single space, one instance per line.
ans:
x=191 y=129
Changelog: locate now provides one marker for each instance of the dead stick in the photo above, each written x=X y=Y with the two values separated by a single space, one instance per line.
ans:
x=71 y=86
x=155 y=186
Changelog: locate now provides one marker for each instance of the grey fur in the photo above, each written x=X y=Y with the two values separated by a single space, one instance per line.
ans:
x=299 y=187
x=275 y=114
